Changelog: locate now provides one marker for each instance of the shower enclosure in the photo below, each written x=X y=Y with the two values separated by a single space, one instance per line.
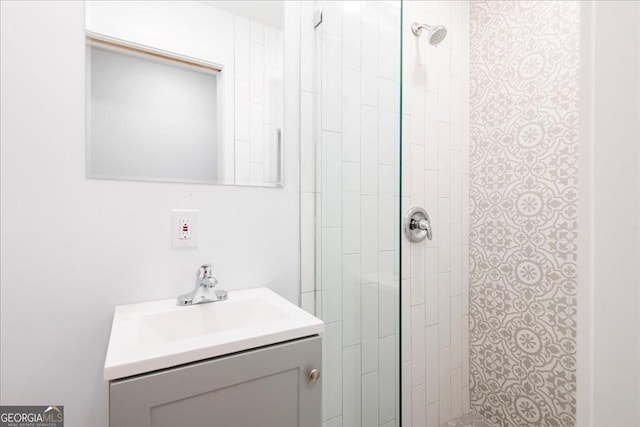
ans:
x=382 y=86
x=354 y=198
x=443 y=269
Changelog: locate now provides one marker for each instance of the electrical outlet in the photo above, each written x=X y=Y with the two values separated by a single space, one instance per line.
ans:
x=184 y=228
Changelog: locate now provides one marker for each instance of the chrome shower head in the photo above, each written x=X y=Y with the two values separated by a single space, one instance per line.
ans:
x=435 y=33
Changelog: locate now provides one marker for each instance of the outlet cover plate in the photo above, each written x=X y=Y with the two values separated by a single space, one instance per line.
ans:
x=177 y=216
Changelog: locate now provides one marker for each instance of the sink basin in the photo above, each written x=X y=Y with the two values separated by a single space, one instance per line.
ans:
x=206 y=319
x=159 y=334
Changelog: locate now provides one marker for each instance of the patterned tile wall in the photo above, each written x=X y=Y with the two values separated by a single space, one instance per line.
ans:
x=436 y=166
x=524 y=131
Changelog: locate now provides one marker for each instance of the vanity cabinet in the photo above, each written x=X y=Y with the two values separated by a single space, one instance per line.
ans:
x=268 y=386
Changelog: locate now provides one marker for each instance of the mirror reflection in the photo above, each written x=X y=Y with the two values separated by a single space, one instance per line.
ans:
x=185 y=91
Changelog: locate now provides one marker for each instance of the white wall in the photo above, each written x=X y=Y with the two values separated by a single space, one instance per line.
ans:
x=609 y=217
x=72 y=248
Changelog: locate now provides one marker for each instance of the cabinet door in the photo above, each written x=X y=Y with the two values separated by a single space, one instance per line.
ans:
x=266 y=387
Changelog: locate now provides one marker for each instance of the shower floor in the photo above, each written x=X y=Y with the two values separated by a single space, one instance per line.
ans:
x=470 y=419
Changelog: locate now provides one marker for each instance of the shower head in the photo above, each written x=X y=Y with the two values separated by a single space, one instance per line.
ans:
x=435 y=33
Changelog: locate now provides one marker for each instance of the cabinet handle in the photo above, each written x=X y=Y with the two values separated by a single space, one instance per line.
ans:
x=314 y=375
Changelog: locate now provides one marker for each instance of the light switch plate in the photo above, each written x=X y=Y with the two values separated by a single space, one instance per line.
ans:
x=184 y=228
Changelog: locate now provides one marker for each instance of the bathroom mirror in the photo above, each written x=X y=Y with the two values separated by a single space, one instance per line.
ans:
x=185 y=91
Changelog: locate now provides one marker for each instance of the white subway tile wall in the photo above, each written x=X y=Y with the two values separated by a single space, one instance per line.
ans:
x=258 y=101
x=350 y=214
x=436 y=109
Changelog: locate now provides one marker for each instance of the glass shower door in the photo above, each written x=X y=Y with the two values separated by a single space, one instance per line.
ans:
x=350 y=145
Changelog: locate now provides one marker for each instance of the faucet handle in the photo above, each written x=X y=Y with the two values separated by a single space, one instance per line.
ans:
x=204 y=272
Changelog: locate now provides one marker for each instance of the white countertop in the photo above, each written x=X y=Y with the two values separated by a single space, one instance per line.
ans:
x=159 y=334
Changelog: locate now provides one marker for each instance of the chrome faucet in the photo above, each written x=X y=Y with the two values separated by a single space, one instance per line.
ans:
x=204 y=292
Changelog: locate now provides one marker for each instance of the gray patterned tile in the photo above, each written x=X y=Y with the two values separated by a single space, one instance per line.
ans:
x=469 y=419
x=523 y=157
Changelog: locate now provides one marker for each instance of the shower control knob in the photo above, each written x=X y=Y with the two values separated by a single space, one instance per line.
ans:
x=314 y=375
x=417 y=225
